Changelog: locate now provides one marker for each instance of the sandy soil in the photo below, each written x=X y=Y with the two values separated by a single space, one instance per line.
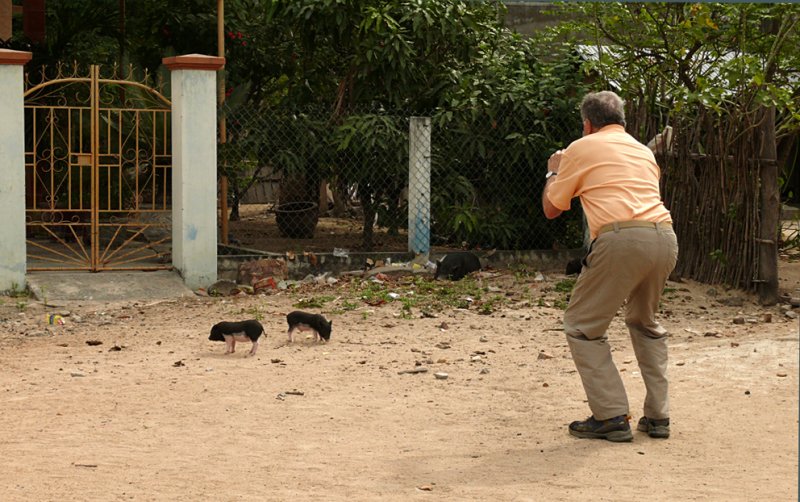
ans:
x=157 y=412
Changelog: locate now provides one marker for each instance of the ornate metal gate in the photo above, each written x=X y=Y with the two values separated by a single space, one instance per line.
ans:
x=98 y=174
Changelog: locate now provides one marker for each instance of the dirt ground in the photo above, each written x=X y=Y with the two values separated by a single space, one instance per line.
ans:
x=152 y=410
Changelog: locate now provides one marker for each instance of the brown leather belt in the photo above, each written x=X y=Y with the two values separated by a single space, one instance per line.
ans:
x=618 y=225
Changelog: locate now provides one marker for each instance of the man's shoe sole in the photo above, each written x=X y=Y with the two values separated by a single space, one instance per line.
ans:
x=615 y=436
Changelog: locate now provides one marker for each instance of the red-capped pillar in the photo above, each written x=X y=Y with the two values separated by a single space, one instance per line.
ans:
x=13 y=265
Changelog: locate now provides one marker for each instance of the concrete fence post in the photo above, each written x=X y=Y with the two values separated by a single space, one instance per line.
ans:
x=194 y=167
x=13 y=258
x=419 y=185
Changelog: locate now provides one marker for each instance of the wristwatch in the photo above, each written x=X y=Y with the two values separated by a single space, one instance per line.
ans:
x=549 y=173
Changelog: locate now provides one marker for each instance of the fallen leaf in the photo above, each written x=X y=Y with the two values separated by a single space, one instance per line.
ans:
x=312 y=258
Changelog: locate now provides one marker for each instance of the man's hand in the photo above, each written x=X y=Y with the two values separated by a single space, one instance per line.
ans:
x=554 y=161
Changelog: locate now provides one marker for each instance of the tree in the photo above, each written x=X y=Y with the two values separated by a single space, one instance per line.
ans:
x=116 y=32
x=367 y=61
x=711 y=71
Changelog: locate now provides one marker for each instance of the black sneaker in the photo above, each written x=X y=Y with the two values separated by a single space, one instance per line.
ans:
x=614 y=429
x=655 y=428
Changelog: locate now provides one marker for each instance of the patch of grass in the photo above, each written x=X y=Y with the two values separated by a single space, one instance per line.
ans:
x=407 y=305
x=17 y=292
x=565 y=285
x=374 y=293
x=254 y=312
x=313 y=302
x=422 y=293
x=522 y=272
x=490 y=305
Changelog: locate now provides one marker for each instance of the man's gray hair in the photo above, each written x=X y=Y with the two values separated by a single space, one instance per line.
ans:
x=603 y=108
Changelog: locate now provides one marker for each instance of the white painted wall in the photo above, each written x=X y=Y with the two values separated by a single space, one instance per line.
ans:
x=12 y=178
x=194 y=176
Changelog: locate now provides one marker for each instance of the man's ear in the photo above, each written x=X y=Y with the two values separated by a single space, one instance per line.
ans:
x=587 y=127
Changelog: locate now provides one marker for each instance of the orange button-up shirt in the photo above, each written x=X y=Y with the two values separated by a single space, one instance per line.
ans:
x=615 y=176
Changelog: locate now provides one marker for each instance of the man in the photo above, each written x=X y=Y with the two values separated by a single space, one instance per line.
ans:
x=633 y=251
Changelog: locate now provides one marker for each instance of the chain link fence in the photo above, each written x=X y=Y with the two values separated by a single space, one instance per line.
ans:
x=378 y=180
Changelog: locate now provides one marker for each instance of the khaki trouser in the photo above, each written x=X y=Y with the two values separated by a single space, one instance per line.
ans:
x=632 y=264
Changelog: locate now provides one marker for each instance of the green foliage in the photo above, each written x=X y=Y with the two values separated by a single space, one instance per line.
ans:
x=18 y=292
x=424 y=295
x=565 y=285
x=389 y=51
x=96 y=32
x=374 y=293
x=508 y=113
x=490 y=305
x=681 y=56
x=314 y=302
x=253 y=312
x=718 y=256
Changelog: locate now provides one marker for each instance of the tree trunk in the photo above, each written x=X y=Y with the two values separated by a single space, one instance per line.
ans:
x=770 y=210
x=234 y=207
x=323 y=197
x=368 y=206
x=339 y=198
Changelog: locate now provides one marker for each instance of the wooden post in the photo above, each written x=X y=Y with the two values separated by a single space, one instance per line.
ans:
x=5 y=20
x=770 y=210
x=223 y=134
x=223 y=205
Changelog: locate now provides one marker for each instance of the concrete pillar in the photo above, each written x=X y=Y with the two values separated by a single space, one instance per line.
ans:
x=194 y=167
x=12 y=169
x=419 y=185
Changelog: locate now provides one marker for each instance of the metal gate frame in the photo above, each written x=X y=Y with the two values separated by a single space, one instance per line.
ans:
x=124 y=221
